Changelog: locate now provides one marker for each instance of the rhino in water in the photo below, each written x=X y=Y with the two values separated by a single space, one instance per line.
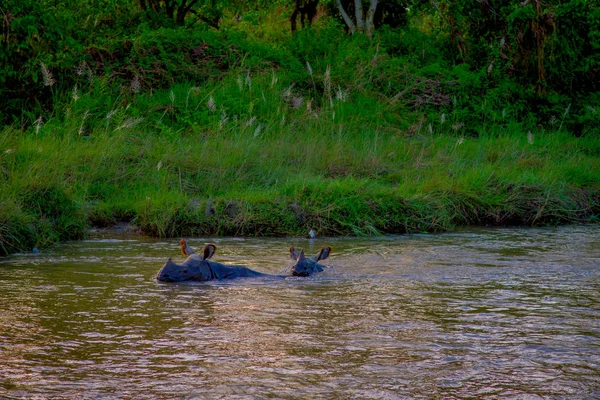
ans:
x=306 y=266
x=197 y=267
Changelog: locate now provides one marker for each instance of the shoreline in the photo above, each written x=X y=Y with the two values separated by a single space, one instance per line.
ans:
x=125 y=229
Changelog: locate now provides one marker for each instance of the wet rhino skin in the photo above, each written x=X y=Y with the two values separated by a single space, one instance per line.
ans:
x=197 y=267
x=194 y=268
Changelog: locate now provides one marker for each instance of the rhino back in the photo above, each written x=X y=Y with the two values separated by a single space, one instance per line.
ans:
x=221 y=271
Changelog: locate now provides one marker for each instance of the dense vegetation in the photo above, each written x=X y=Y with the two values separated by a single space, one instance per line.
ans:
x=219 y=120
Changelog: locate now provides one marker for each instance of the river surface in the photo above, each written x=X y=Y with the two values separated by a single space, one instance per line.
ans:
x=478 y=314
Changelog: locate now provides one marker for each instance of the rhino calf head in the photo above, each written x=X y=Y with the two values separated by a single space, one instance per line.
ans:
x=306 y=266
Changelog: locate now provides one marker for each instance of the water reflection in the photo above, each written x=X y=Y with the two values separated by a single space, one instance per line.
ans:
x=511 y=313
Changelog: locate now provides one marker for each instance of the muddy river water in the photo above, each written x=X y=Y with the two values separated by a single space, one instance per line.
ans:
x=477 y=314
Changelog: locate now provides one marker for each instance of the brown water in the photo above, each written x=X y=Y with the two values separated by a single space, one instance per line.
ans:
x=485 y=314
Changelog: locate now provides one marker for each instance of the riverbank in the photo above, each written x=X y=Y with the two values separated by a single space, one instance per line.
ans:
x=286 y=179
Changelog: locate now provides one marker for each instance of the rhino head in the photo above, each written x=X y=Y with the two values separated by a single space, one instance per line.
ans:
x=194 y=267
x=305 y=266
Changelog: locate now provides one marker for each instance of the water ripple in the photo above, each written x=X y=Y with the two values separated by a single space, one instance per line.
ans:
x=507 y=313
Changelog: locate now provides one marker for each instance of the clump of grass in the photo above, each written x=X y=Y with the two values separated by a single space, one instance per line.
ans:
x=17 y=232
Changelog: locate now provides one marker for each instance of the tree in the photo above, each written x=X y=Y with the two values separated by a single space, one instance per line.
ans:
x=546 y=45
x=360 y=24
x=307 y=10
x=178 y=10
x=392 y=13
x=29 y=30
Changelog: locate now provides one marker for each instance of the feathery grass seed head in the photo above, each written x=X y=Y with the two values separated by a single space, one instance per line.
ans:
x=38 y=124
x=130 y=122
x=47 y=75
x=457 y=126
x=84 y=69
x=136 y=85
x=327 y=85
x=194 y=90
x=341 y=95
x=111 y=114
x=251 y=121
x=296 y=102
x=224 y=119
x=211 y=105
x=75 y=93
x=309 y=68
x=81 y=127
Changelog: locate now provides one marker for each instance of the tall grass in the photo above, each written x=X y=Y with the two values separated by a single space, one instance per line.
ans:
x=339 y=139
x=244 y=158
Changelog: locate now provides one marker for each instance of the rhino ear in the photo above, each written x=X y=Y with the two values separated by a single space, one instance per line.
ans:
x=324 y=253
x=186 y=250
x=208 y=251
x=293 y=253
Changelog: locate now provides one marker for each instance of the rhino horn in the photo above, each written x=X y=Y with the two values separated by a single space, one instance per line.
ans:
x=301 y=257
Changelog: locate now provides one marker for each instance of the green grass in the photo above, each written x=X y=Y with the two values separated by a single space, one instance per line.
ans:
x=254 y=165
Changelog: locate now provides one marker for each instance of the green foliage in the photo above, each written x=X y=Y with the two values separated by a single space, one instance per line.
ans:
x=252 y=131
x=41 y=216
x=16 y=229
x=51 y=203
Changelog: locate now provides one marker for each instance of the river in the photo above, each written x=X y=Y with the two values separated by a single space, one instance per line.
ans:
x=476 y=314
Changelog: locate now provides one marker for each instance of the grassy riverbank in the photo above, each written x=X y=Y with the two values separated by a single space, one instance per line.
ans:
x=202 y=133
x=284 y=178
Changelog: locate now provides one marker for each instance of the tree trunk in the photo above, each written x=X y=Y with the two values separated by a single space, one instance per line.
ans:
x=170 y=9
x=370 y=25
x=153 y=5
x=308 y=12
x=346 y=17
x=294 y=15
x=360 y=21
x=180 y=15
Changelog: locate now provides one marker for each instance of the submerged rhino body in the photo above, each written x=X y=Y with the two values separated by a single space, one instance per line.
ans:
x=194 y=268
x=198 y=267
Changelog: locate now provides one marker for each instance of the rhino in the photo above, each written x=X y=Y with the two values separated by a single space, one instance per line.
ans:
x=306 y=266
x=198 y=267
